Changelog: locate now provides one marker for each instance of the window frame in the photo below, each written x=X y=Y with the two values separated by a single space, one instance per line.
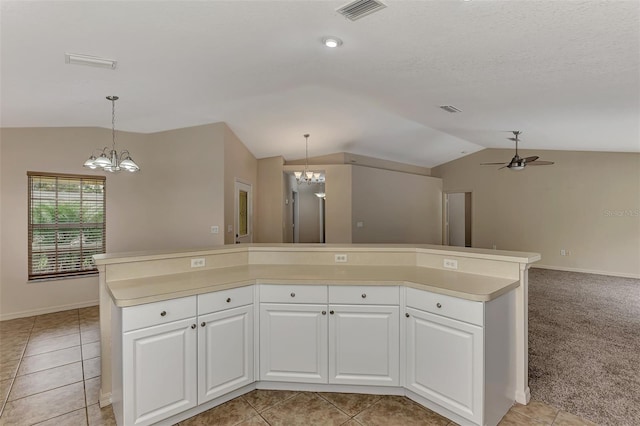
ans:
x=100 y=227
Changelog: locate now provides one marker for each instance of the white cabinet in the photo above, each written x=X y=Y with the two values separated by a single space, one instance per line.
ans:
x=356 y=343
x=225 y=342
x=293 y=342
x=170 y=360
x=158 y=362
x=459 y=354
x=364 y=345
x=225 y=352
x=445 y=362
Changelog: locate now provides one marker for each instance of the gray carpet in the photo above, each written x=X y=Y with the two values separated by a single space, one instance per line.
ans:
x=584 y=345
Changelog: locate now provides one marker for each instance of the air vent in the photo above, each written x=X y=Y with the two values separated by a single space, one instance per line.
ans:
x=450 y=108
x=360 y=8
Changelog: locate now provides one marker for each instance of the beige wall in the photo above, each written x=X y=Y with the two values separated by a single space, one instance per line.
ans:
x=271 y=193
x=587 y=203
x=395 y=207
x=239 y=164
x=170 y=204
x=338 y=207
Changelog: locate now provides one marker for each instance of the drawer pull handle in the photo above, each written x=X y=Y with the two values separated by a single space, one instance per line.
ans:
x=193 y=326
x=331 y=312
x=228 y=299
x=364 y=295
x=203 y=323
x=293 y=294
x=438 y=305
x=407 y=315
x=163 y=313
x=324 y=312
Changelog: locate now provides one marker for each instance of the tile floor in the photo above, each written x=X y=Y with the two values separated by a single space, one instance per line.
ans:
x=50 y=375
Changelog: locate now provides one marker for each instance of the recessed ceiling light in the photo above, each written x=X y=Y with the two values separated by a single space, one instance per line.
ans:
x=332 y=42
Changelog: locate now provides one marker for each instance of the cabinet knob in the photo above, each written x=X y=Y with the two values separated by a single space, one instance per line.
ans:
x=364 y=295
x=407 y=315
x=331 y=312
x=203 y=323
x=293 y=294
x=438 y=305
x=163 y=313
x=228 y=299
x=193 y=326
x=324 y=312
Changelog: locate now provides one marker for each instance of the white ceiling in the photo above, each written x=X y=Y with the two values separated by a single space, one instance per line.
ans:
x=566 y=73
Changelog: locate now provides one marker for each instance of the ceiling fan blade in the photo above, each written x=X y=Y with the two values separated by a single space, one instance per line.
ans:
x=495 y=164
x=500 y=168
x=530 y=159
x=540 y=163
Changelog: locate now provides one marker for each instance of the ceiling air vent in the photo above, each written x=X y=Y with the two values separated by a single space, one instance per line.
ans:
x=450 y=108
x=360 y=8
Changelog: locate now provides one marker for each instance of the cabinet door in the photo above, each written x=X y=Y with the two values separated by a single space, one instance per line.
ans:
x=293 y=343
x=159 y=371
x=225 y=352
x=445 y=362
x=364 y=345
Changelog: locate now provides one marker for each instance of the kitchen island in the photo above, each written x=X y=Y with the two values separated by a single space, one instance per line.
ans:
x=266 y=300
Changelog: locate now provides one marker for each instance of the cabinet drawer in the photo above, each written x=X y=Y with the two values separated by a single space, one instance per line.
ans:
x=224 y=299
x=452 y=307
x=364 y=295
x=158 y=313
x=293 y=293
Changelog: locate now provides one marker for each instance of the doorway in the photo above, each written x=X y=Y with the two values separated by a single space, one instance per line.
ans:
x=243 y=212
x=458 y=219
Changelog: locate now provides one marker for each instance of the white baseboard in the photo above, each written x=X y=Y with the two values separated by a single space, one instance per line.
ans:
x=586 y=271
x=47 y=310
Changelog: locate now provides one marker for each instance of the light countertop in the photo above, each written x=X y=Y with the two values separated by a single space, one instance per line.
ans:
x=468 y=286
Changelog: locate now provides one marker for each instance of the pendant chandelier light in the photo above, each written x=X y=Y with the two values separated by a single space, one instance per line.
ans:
x=308 y=176
x=109 y=160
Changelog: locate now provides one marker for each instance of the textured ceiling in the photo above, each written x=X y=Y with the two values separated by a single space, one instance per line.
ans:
x=566 y=73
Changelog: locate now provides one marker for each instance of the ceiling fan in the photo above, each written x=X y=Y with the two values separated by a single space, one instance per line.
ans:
x=518 y=163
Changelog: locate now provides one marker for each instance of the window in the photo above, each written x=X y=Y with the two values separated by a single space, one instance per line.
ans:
x=66 y=224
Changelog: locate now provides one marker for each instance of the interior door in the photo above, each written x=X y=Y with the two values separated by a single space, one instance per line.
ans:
x=243 y=212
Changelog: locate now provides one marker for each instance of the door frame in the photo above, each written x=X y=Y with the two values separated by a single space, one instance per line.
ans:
x=445 y=214
x=240 y=184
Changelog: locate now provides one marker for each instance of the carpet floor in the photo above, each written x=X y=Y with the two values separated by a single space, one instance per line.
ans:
x=584 y=345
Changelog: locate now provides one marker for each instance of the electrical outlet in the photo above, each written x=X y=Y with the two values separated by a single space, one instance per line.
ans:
x=230 y=228
x=340 y=258
x=215 y=229
x=359 y=224
x=450 y=263
x=563 y=252
x=197 y=263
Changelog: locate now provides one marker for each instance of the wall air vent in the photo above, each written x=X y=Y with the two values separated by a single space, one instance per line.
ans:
x=450 y=108
x=360 y=8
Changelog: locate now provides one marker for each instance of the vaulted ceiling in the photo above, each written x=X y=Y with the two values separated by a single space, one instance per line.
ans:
x=566 y=73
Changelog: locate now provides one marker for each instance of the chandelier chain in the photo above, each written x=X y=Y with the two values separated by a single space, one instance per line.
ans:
x=113 y=124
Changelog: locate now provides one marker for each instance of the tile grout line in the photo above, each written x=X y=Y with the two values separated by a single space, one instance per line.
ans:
x=13 y=379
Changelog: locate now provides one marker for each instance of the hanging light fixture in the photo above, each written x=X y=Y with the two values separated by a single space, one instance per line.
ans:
x=307 y=175
x=109 y=160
